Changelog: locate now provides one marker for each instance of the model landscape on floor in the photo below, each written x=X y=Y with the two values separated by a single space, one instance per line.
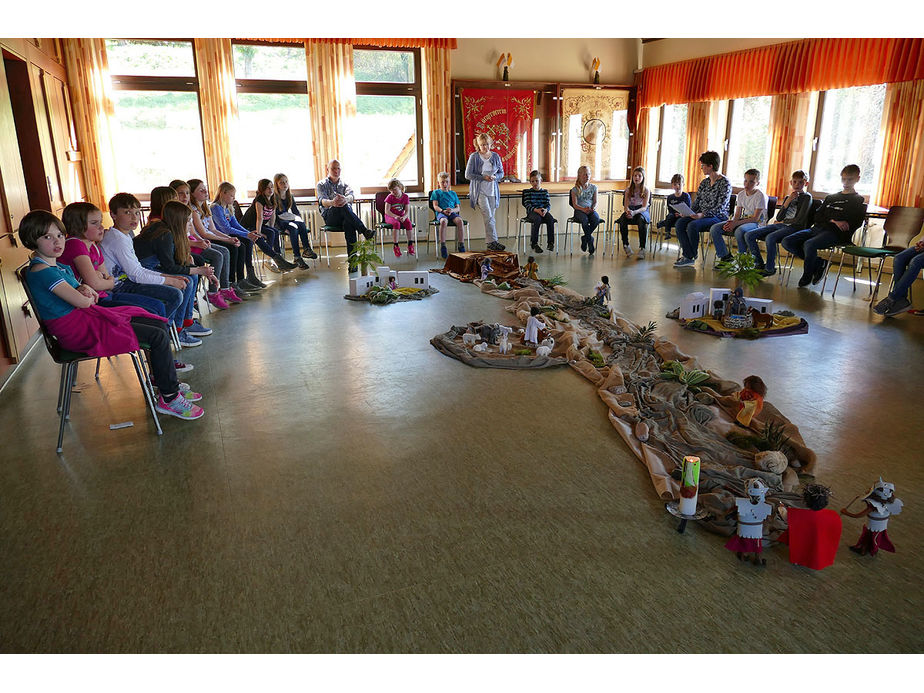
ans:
x=731 y=459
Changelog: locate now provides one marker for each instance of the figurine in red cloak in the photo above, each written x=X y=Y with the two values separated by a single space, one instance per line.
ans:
x=814 y=531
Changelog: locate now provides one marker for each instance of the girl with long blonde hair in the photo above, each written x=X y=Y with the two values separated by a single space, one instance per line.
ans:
x=636 y=201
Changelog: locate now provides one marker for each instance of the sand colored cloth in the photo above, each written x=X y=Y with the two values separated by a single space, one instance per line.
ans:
x=681 y=422
x=467 y=266
x=450 y=343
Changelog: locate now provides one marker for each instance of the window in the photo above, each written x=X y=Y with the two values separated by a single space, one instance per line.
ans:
x=748 y=138
x=274 y=126
x=389 y=120
x=673 y=140
x=157 y=129
x=848 y=132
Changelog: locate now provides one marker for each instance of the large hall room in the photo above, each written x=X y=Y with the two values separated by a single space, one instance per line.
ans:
x=264 y=303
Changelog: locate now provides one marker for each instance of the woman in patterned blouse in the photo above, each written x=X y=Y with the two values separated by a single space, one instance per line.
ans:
x=710 y=207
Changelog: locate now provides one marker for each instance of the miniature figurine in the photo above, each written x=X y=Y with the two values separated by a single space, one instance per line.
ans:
x=752 y=511
x=480 y=347
x=814 y=531
x=881 y=503
x=545 y=348
x=737 y=313
x=469 y=339
x=602 y=291
x=531 y=268
x=392 y=284
x=486 y=268
x=750 y=399
x=533 y=326
x=718 y=310
x=503 y=346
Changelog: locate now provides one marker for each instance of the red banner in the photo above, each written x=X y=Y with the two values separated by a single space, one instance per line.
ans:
x=507 y=116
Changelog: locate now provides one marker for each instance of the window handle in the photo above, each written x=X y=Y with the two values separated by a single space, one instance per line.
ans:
x=814 y=144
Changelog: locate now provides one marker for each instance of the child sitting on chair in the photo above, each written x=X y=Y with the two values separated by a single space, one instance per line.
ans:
x=69 y=311
x=445 y=203
x=675 y=199
x=396 y=214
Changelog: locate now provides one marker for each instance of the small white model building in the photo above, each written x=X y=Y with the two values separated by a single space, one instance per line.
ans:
x=763 y=305
x=695 y=306
x=413 y=280
x=383 y=274
x=360 y=285
x=721 y=294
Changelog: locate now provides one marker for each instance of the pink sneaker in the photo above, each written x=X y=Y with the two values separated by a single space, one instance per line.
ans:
x=410 y=249
x=397 y=250
x=180 y=407
x=217 y=300
x=231 y=297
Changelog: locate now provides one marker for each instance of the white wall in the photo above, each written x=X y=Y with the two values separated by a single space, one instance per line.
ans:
x=546 y=60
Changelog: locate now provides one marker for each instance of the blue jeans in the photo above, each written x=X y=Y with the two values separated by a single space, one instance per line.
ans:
x=296 y=230
x=688 y=230
x=185 y=310
x=170 y=297
x=771 y=235
x=905 y=268
x=718 y=238
x=588 y=222
x=150 y=304
x=807 y=243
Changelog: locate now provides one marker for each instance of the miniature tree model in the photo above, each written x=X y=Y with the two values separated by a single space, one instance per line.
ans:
x=742 y=268
x=364 y=255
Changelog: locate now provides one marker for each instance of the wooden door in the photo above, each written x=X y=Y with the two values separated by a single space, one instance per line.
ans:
x=64 y=139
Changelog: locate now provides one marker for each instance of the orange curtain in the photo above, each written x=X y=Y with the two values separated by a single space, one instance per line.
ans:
x=437 y=88
x=788 y=133
x=448 y=43
x=697 y=141
x=901 y=173
x=90 y=88
x=332 y=103
x=218 y=106
x=784 y=68
x=638 y=156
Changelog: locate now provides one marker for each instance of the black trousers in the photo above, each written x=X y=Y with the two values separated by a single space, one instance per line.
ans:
x=639 y=221
x=346 y=218
x=536 y=220
x=153 y=335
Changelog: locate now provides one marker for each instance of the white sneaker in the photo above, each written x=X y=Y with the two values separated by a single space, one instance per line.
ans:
x=641 y=253
x=628 y=250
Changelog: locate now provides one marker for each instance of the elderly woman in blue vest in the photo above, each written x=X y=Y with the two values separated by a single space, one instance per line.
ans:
x=483 y=171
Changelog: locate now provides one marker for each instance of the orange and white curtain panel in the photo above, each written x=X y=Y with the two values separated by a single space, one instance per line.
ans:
x=901 y=173
x=218 y=105
x=697 y=141
x=90 y=88
x=638 y=156
x=332 y=103
x=788 y=134
x=784 y=68
x=437 y=89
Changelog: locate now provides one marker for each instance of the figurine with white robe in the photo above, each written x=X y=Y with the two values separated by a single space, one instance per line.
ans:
x=881 y=504
x=752 y=511
x=533 y=325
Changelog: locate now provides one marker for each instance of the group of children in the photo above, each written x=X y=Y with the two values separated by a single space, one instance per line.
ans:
x=104 y=292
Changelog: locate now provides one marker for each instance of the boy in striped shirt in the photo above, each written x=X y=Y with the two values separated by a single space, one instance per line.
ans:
x=538 y=211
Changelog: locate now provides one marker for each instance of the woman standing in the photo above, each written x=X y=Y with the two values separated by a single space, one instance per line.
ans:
x=483 y=171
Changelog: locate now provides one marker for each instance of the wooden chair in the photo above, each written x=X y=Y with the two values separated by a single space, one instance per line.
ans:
x=901 y=225
x=70 y=360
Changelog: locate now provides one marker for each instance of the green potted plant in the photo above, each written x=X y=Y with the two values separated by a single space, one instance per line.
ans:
x=364 y=256
x=742 y=267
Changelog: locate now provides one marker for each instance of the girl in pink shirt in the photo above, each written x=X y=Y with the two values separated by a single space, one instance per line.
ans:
x=397 y=214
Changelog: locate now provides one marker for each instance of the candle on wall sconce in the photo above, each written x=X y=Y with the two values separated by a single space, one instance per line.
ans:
x=506 y=59
x=595 y=66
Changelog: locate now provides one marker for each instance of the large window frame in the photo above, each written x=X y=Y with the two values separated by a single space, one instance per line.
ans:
x=659 y=183
x=162 y=83
x=273 y=86
x=414 y=89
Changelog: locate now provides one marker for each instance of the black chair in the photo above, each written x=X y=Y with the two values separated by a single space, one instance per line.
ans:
x=70 y=360
x=771 y=210
x=524 y=226
x=571 y=222
x=382 y=226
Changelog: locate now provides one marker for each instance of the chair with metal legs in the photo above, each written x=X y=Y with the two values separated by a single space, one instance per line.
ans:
x=69 y=361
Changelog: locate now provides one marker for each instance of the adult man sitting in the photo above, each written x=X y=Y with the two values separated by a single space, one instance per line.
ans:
x=335 y=198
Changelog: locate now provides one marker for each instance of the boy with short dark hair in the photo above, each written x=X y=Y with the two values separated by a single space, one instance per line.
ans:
x=675 y=199
x=539 y=211
x=835 y=222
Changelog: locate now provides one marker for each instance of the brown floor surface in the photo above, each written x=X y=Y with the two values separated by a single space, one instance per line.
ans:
x=353 y=490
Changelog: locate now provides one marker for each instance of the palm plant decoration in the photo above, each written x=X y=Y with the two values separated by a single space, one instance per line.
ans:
x=742 y=267
x=364 y=255
x=645 y=335
x=692 y=379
